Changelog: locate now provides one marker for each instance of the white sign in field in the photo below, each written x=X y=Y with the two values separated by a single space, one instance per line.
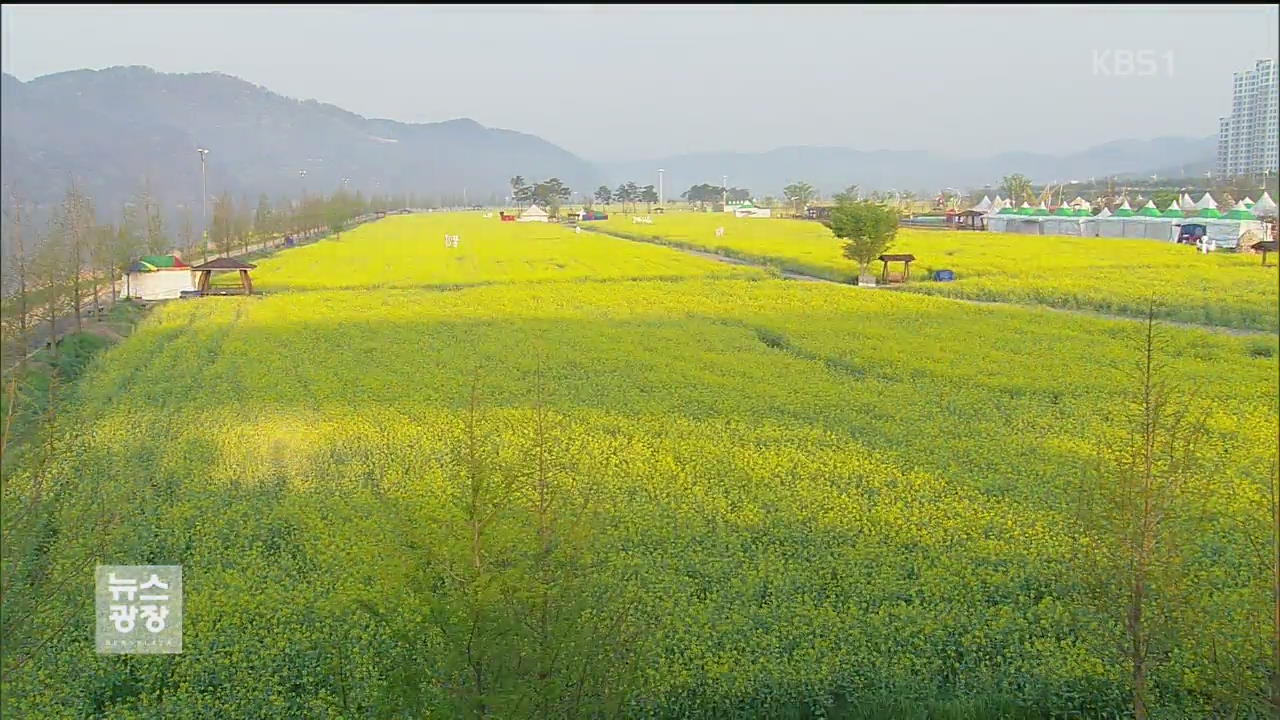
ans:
x=719 y=232
x=643 y=219
x=451 y=241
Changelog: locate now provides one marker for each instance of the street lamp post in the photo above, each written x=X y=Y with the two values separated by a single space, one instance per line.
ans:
x=661 y=195
x=724 y=190
x=204 y=206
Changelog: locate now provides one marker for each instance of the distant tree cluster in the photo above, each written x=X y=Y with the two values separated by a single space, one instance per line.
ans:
x=550 y=193
x=705 y=194
x=70 y=264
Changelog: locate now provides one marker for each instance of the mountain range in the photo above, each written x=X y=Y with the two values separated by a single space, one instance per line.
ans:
x=117 y=128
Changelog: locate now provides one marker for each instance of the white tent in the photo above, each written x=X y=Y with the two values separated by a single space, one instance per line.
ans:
x=1186 y=204
x=1108 y=225
x=158 y=284
x=1080 y=202
x=533 y=214
x=1265 y=206
x=1226 y=234
x=1072 y=226
x=1248 y=202
x=983 y=206
x=1207 y=202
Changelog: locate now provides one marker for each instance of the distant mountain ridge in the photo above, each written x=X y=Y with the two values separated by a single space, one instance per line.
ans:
x=831 y=169
x=113 y=128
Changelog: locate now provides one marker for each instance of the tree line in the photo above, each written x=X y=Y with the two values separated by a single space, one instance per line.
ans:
x=70 y=263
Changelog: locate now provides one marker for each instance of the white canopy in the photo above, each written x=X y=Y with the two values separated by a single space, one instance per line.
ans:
x=1079 y=202
x=1105 y=213
x=1265 y=205
x=1125 y=206
x=1186 y=204
x=1248 y=200
x=1024 y=204
x=1173 y=205
x=983 y=206
x=1207 y=202
x=534 y=211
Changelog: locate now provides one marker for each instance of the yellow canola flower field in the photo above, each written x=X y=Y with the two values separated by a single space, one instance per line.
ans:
x=802 y=494
x=1108 y=275
x=410 y=251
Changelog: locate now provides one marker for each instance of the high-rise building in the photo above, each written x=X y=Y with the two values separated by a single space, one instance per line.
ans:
x=1248 y=137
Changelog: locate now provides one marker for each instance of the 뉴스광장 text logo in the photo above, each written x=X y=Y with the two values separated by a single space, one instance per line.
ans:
x=139 y=609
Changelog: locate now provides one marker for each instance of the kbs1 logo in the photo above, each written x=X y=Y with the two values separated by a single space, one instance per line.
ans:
x=1132 y=63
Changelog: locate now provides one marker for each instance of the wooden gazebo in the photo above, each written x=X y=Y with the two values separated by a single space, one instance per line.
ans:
x=205 y=273
x=1264 y=247
x=906 y=261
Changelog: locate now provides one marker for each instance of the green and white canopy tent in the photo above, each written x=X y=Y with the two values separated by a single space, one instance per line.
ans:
x=1186 y=204
x=1065 y=221
x=1240 y=212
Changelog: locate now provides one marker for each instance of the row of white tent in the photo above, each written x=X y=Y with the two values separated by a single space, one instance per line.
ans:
x=1074 y=219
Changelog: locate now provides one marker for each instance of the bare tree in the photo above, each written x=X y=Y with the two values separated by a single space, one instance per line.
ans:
x=1143 y=473
x=18 y=265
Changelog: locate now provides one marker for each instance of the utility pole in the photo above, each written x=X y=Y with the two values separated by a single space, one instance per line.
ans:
x=204 y=206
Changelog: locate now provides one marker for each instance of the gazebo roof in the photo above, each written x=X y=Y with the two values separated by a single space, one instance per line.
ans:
x=225 y=263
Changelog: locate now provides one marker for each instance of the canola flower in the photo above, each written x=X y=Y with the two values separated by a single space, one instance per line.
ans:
x=1108 y=275
x=807 y=493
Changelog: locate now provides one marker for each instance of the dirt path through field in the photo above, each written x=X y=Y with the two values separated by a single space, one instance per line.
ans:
x=812 y=278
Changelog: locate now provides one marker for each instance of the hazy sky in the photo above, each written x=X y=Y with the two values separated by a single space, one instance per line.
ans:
x=611 y=83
